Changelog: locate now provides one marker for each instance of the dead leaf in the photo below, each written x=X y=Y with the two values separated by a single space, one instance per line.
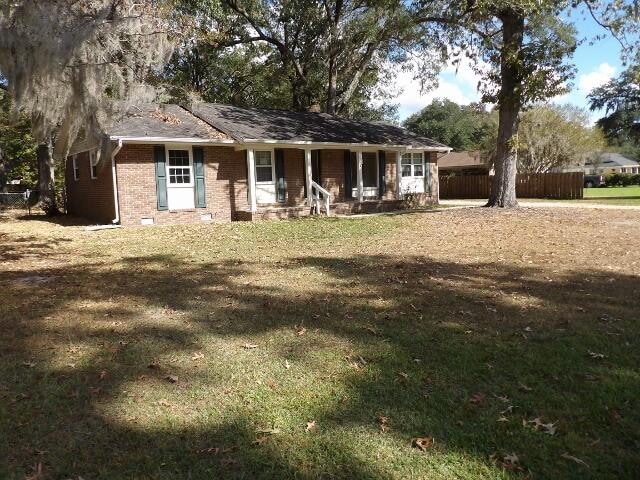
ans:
x=477 y=399
x=300 y=330
x=502 y=418
x=310 y=425
x=29 y=364
x=423 y=443
x=260 y=440
x=597 y=356
x=384 y=423
x=103 y=374
x=403 y=376
x=171 y=378
x=512 y=459
x=287 y=365
x=525 y=388
x=211 y=450
x=37 y=472
x=574 y=459
x=249 y=346
x=197 y=356
x=164 y=403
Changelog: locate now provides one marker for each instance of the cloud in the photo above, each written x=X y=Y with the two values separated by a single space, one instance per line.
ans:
x=596 y=78
x=458 y=83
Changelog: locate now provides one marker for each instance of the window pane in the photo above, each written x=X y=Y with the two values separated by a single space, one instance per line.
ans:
x=406 y=170
x=406 y=158
x=369 y=169
x=417 y=170
x=417 y=158
x=178 y=158
x=264 y=174
x=179 y=175
x=263 y=158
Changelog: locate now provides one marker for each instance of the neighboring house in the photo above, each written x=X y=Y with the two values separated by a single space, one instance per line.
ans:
x=463 y=163
x=215 y=162
x=607 y=162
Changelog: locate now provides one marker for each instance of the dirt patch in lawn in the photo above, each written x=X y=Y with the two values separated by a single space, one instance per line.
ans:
x=455 y=344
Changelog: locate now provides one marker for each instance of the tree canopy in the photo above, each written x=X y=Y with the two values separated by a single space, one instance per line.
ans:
x=553 y=136
x=620 y=98
x=461 y=127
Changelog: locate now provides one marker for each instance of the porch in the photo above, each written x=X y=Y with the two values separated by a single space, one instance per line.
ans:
x=284 y=181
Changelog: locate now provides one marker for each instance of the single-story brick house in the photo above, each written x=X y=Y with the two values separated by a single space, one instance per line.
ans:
x=171 y=164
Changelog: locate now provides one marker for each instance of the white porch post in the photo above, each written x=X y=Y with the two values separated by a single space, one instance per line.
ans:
x=359 y=179
x=308 y=174
x=399 y=175
x=251 y=179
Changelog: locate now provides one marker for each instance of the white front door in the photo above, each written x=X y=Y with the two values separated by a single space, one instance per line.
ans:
x=412 y=165
x=265 y=177
x=370 y=175
x=180 y=194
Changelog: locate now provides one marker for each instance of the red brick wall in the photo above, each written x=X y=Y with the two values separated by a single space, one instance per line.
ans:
x=225 y=184
x=332 y=173
x=87 y=197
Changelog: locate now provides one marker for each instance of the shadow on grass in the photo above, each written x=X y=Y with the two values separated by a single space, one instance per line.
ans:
x=431 y=345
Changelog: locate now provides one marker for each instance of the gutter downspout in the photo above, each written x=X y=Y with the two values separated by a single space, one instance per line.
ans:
x=115 y=184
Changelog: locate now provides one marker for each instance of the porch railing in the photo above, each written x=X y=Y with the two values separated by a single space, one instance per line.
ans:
x=319 y=196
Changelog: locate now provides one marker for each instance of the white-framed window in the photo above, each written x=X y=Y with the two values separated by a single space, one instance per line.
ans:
x=93 y=164
x=76 y=168
x=412 y=164
x=265 y=167
x=179 y=167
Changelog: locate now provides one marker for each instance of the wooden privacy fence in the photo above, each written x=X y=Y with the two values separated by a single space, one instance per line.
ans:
x=561 y=186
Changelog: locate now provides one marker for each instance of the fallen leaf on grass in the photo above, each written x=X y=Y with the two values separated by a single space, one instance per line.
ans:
x=268 y=431
x=287 y=365
x=164 y=403
x=260 y=440
x=574 y=459
x=103 y=374
x=211 y=450
x=423 y=443
x=300 y=330
x=537 y=424
x=171 y=378
x=403 y=376
x=310 y=425
x=37 y=472
x=597 y=356
x=502 y=418
x=29 y=364
x=197 y=356
x=477 y=399
x=525 y=388
x=384 y=423
x=249 y=346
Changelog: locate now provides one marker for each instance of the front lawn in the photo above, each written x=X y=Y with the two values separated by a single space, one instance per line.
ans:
x=322 y=348
x=616 y=192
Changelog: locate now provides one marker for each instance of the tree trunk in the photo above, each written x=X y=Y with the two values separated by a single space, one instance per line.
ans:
x=46 y=179
x=333 y=85
x=503 y=186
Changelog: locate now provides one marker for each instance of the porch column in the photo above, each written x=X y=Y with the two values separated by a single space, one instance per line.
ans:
x=251 y=179
x=398 y=175
x=308 y=175
x=359 y=179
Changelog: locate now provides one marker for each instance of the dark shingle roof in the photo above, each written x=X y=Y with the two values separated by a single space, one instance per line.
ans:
x=226 y=122
x=246 y=124
x=164 y=121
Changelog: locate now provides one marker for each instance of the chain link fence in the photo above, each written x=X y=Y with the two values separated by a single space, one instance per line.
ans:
x=24 y=200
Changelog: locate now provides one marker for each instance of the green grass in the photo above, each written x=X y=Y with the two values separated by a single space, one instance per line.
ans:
x=632 y=191
x=438 y=321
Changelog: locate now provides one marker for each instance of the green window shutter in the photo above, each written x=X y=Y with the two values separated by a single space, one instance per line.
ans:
x=198 y=175
x=382 y=162
x=160 y=159
x=348 y=188
x=281 y=184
